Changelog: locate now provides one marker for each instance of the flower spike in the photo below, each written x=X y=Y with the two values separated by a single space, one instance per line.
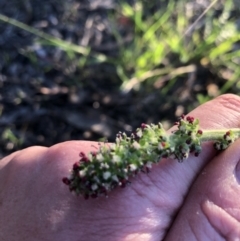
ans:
x=97 y=173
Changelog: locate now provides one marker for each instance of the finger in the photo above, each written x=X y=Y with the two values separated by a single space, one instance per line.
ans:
x=6 y=159
x=9 y=164
x=212 y=208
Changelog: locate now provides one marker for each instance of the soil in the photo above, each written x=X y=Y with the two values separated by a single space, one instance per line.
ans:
x=46 y=99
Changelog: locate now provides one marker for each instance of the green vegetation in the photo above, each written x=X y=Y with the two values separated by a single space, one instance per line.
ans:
x=167 y=44
x=164 y=47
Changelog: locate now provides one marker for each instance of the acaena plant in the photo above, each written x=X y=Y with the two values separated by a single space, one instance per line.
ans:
x=97 y=173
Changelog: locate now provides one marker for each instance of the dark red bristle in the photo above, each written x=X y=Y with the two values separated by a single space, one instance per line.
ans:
x=82 y=154
x=76 y=166
x=84 y=159
x=66 y=181
x=190 y=119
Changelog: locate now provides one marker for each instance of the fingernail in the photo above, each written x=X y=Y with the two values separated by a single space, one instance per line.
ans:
x=237 y=172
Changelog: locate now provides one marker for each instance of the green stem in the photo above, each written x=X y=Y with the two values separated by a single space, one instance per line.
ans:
x=216 y=135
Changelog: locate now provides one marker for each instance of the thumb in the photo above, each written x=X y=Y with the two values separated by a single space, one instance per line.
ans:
x=211 y=209
x=222 y=112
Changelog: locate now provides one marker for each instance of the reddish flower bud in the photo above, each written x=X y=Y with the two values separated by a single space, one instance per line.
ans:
x=66 y=181
x=200 y=132
x=76 y=166
x=82 y=154
x=84 y=159
x=228 y=133
x=182 y=116
x=190 y=119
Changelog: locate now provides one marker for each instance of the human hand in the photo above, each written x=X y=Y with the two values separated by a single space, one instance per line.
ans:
x=195 y=200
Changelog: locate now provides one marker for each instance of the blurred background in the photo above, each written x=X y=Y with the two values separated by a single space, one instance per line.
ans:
x=78 y=69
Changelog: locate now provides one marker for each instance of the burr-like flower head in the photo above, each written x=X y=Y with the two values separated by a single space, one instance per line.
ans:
x=98 y=173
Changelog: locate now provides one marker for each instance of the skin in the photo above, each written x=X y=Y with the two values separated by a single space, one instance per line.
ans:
x=195 y=200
